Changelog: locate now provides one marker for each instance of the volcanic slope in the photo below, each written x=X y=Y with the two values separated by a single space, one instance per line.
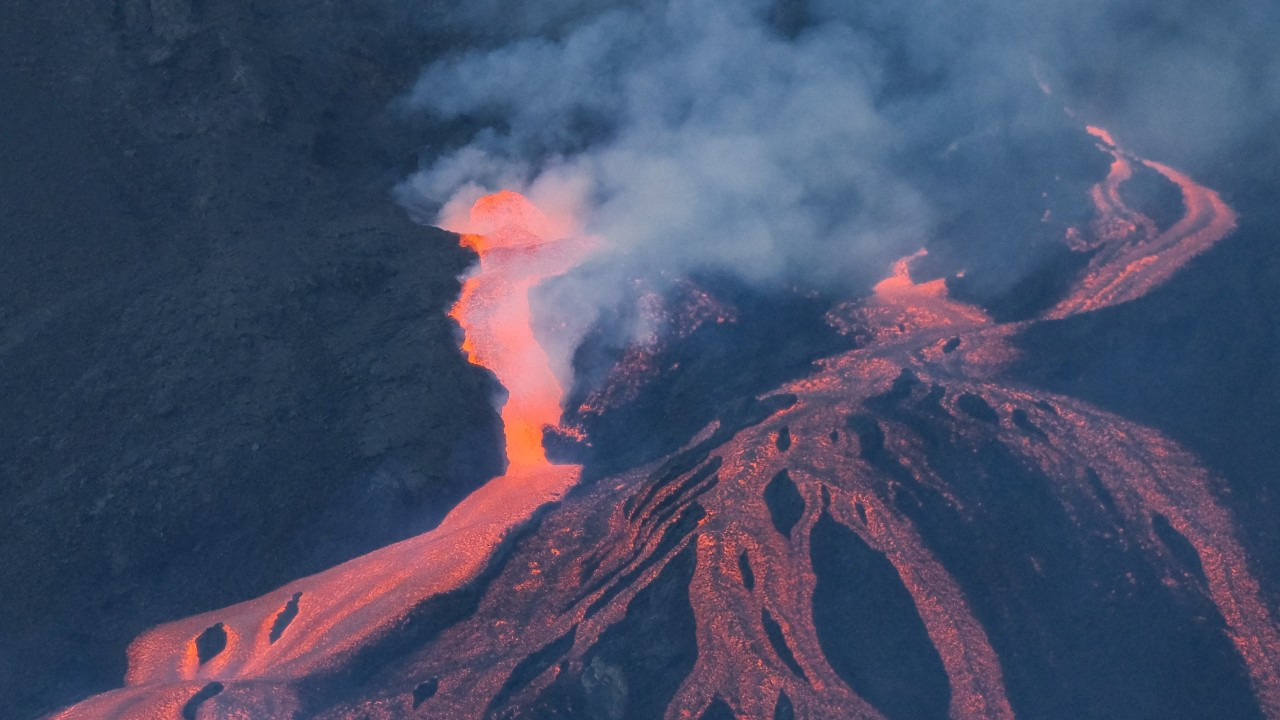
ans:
x=902 y=534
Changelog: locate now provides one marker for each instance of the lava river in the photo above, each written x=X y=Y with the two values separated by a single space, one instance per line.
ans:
x=903 y=534
x=253 y=654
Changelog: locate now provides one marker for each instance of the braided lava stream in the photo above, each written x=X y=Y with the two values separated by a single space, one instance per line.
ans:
x=905 y=533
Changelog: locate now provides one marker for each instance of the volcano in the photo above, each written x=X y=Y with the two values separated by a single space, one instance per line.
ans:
x=904 y=532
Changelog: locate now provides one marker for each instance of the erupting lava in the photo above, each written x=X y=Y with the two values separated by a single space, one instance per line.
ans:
x=904 y=534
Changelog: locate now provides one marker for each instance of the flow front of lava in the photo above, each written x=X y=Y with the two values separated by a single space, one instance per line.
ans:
x=904 y=533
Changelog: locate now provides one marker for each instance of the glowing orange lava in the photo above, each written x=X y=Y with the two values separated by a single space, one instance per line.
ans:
x=914 y=412
x=1133 y=255
x=916 y=307
x=516 y=253
x=338 y=610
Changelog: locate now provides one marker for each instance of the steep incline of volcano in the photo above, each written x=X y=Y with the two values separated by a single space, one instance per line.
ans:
x=903 y=534
x=316 y=624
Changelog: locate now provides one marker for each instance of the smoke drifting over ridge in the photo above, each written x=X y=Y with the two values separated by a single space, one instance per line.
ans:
x=694 y=135
x=811 y=143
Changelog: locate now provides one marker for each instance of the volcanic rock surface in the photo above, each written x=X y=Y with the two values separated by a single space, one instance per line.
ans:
x=905 y=532
x=225 y=364
x=224 y=359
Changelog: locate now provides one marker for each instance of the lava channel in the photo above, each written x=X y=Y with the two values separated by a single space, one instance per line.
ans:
x=331 y=615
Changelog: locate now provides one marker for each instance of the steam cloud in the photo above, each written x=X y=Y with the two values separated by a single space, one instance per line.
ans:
x=792 y=141
x=693 y=134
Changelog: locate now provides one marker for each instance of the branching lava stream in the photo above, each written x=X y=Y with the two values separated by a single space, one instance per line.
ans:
x=903 y=534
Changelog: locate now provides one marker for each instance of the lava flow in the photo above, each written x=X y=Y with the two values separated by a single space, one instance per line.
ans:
x=905 y=533
x=253 y=655
x=1133 y=257
x=518 y=248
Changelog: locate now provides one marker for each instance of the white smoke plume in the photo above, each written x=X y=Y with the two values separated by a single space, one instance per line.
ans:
x=783 y=142
x=697 y=136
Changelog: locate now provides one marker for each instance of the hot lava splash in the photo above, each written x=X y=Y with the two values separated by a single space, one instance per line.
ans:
x=904 y=533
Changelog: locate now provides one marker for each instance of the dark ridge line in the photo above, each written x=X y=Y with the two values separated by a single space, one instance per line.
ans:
x=603 y=581
x=637 y=551
x=932 y=401
x=786 y=504
x=783 y=442
x=870 y=437
x=718 y=710
x=675 y=533
x=633 y=557
x=590 y=565
x=1023 y=421
x=284 y=618
x=424 y=691
x=773 y=631
x=858 y=598
x=783 y=709
x=528 y=669
x=871 y=448
x=1100 y=490
x=1153 y=628
x=1179 y=546
x=977 y=408
x=670 y=510
x=192 y=707
x=662 y=478
x=1047 y=407
x=736 y=417
x=744 y=568
x=894 y=405
x=211 y=642
x=654 y=644
x=680 y=489
x=900 y=390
